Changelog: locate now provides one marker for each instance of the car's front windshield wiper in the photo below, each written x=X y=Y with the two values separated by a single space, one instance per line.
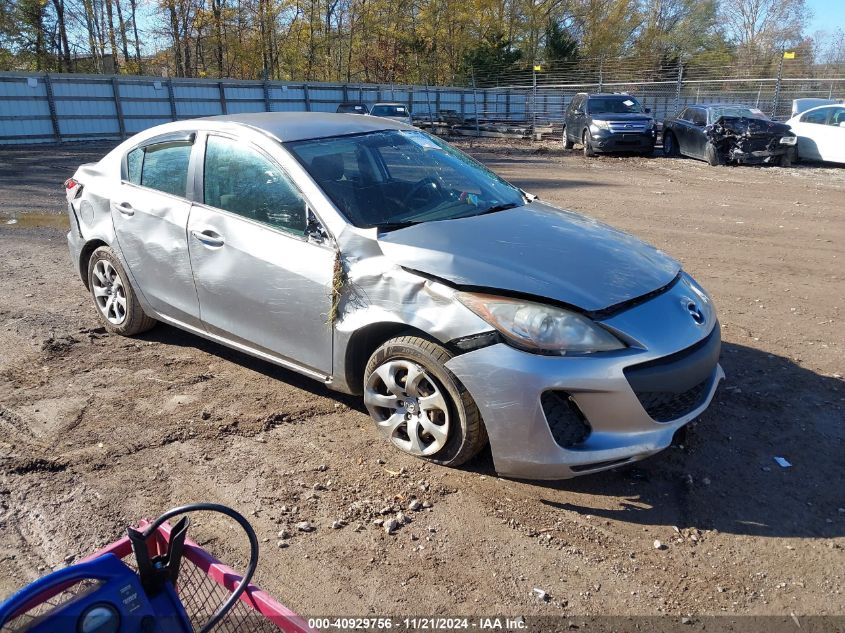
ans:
x=394 y=226
x=498 y=207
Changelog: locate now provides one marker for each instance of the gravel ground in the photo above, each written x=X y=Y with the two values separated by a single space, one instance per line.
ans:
x=98 y=431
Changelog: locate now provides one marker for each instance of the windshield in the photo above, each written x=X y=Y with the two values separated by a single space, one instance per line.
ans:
x=736 y=111
x=614 y=105
x=389 y=110
x=394 y=178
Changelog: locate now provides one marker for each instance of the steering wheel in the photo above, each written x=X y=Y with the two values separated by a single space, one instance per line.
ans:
x=424 y=191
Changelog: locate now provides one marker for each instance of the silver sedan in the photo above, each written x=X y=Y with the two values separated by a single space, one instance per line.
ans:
x=381 y=261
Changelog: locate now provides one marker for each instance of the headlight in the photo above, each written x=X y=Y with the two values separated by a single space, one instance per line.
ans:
x=789 y=140
x=598 y=124
x=535 y=327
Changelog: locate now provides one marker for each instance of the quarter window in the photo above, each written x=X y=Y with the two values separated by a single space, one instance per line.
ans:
x=837 y=116
x=243 y=181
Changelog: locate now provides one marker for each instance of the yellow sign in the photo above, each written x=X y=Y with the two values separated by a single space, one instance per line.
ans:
x=789 y=54
x=537 y=68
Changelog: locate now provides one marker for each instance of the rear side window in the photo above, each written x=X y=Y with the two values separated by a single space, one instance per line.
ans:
x=162 y=166
x=837 y=116
x=241 y=180
x=815 y=116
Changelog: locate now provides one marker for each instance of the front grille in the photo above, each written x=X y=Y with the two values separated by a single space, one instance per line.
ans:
x=631 y=127
x=671 y=387
x=566 y=422
x=664 y=406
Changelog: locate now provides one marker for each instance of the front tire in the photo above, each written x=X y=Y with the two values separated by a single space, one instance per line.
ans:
x=419 y=405
x=116 y=302
x=712 y=156
x=585 y=141
x=786 y=159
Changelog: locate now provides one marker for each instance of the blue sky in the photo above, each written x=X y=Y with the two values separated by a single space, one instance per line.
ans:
x=828 y=15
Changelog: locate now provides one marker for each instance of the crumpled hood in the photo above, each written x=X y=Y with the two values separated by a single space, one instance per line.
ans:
x=536 y=249
x=746 y=126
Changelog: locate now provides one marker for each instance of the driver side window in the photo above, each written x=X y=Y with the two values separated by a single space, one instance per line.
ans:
x=241 y=180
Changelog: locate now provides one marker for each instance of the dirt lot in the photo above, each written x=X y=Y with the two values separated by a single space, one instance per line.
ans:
x=98 y=431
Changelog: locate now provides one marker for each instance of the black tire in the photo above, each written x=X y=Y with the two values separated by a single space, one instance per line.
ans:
x=585 y=141
x=467 y=436
x=135 y=320
x=670 y=145
x=567 y=144
x=712 y=156
x=786 y=159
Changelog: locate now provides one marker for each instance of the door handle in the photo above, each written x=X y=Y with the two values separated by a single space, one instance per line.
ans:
x=209 y=237
x=125 y=208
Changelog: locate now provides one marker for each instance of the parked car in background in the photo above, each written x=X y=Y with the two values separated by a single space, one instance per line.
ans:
x=821 y=133
x=802 y=105
x=727 y=133
x=609 y=123
x=395 y=111
x=381 y=261
x=352 y=108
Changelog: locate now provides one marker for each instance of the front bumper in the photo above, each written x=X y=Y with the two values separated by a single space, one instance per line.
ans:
x=605 y=141
x=508 y=385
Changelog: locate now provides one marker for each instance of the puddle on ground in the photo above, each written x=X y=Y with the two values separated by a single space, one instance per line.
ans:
x=35 y=221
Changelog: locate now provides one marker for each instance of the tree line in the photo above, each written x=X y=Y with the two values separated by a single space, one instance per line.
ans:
x=398 y=41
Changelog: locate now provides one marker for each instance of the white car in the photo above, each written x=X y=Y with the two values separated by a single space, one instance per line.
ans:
x=821 y=133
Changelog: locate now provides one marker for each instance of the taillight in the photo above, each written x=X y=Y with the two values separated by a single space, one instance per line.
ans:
x=72 y=188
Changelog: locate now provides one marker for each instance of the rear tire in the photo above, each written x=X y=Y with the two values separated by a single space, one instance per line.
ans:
x=585 y=141
x=712 y=156
x=670 y=146
x=116 y=302
x=567 y=144
x=419 y=405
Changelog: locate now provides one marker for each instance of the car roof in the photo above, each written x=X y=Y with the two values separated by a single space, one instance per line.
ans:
x=298 y=126
x=394 y=103
x=608 y=94
x=721 y=105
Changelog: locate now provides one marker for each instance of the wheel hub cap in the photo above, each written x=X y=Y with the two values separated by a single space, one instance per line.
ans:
x=109 y=293
x=408 y=406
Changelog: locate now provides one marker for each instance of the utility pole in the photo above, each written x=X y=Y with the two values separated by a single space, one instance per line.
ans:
x=776 y=97
x=475 y=103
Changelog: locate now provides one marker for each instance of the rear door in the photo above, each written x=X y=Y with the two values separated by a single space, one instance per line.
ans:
x=812 y=130
x=833 y=148
x=261 y=282
x=681 y=128
x=150 y=216
x=695 y=138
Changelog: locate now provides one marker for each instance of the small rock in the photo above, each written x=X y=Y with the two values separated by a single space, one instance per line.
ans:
x=402 y=519
x=319 y=486
x=336 y=525
x=282 y=544
x=284 y=533
x=380 y=462
x=658 y=544
x=426 y=504
x=69 y=558
x=540 y=594
x=378 y=522
x=415 y=505
x=322 y=468
x=305 y=526
x=720 y=589
x=686 y=620
x=391 y=525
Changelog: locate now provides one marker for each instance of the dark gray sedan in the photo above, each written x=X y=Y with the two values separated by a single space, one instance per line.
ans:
x=381 y=261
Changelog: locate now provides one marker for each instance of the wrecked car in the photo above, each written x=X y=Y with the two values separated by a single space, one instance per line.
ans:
x=381 y=261
x=728 y=134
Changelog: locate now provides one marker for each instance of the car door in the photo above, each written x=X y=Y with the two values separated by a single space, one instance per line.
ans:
x=695 y=137
x=261 y=282
x=150 y=215
x=811 y=130
x=833 y=147
x=579 y=117
x=681 y=129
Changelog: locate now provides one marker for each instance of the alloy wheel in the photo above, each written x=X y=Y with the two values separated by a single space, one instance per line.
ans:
x=409 y=406
x=109 y=292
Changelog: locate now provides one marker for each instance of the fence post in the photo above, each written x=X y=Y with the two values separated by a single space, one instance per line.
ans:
x=601 y=73
x=428 y=106
x=51 y=104
x=679 y=85
x=172 y=98
x=776 y=97
x=118 y=107
x=475 y=103
x=534 y=98
x=307 y=97
x=345 y=92
x=266 y=86
x=411 y=100
x=222 y=89
x=507 y=104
